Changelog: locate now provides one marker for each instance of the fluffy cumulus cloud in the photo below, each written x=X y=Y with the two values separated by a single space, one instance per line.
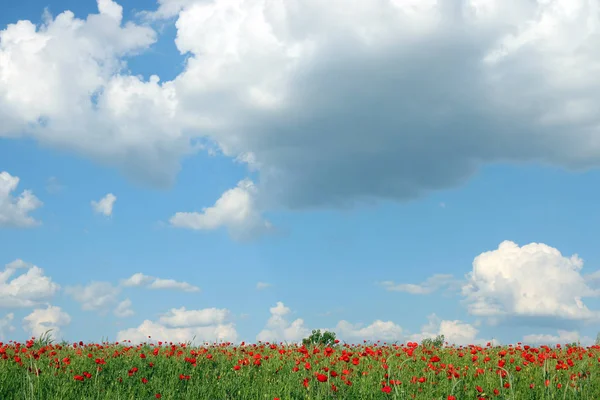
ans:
x=430 y=285
x=181 y=325
x=235 y=210
x=454 y=331
x=151 y=282
x=42 y=320
x=24 y=285
x=95 y=296
x=14 y=211
x=280 y=329
x=534 y=281
x=329 y=104
x=105 y=205
x=95 y=107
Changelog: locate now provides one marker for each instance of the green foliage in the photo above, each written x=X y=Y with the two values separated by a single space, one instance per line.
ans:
x=44 y=340
x=317 y=338
x=437 y=342
x=598 y=339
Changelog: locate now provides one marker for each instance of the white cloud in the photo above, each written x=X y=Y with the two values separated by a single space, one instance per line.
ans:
x=430 y=285
x=320 y=94
x=236 y=210
x=314 y=94
x=279 y=329
x=42 y=320
x=563 y=337
x=111 y=9
x=27 y=289
x=95 y=108
x=18 y=264
x=532 y=281
x=98 y=296
x=454 y=331
x=181 y=325
x=14 y=211
x=378 y=330
x=183 y=318
x=123 y=309
x=104 y=205
x=151 y=282
x=6 y=325
x=262 y=285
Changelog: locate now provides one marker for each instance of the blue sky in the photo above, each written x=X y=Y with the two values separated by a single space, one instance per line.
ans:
x=363 y=180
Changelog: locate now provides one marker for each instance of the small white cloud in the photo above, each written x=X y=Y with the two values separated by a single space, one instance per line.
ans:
x=173 y=284
x=181 y=325
x=42 y=320
x=279 y=329
x=236 y=210
x=137 y=279
x=26 y=290
x=14 y=211
x=532 y=281
x=432 y=284
x=104 y=205
x=123 y=309
x=262 y=285
x=151 y=282
x=96 y=296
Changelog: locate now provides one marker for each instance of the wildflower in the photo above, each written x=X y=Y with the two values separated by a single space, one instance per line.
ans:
x=386 y=389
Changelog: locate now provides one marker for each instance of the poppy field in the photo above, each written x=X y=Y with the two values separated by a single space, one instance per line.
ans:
x=41 y=370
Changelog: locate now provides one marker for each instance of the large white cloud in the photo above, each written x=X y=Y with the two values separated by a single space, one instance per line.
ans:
x=14 y=211
x=42 y=320
x=28 y=289
x=534 y=281
x=181 y=325
x=329 y=104
x=65 y=84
